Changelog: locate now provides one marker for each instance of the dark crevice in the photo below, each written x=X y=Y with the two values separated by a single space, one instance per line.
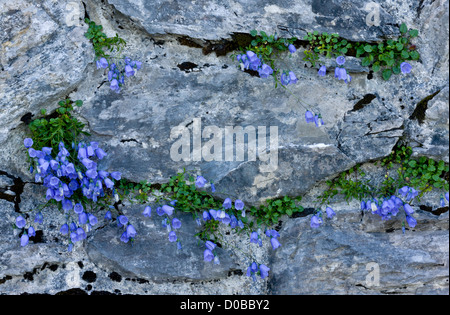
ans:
x=17 y=188
x=368 y=98
x=419 y=113
x=187 y=66
x=437 y=212
x=129 y=140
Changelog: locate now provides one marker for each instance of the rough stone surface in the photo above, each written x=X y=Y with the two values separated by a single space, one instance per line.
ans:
x=152 y=256
x=338 y=257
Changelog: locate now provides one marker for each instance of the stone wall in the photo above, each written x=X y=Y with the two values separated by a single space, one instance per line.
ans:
x=188 y=78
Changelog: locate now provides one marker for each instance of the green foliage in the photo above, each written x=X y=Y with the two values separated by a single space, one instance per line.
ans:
x=351 y=184
x=271 y=212
x=423 y=174
x=329 y=45
x=390 y=54
x=103 y=45
x=61 y=126
x=386 y=56
x=268 y=48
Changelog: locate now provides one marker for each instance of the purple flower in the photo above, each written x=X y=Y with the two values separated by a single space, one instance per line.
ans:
x=172 y=237
x=129 y=71
x=20 y=222
x=408 y=209
x=109 y=183
x=28 y=142
x=238 y=204
x=227 y=204
x=168 y=210
x=411 y=221
x=341 y=74
x=322 y=71
x=102 y=63
x=206 y=216
x=316 y=222
x=208 y=255
x=67 y=204
x=340 y=60
x=24 y=240
x=31 y=231
x=115 y=86
x=131 y=231
x=81 y=234
x=64 y=229
x=284 y=79
x=78 y=208
x=116 y=175
x=210 y=245
x=404 y=191
x=200 y=182
x=100 y=153
x=176 y=224
x=92 y=219
x=108 y=215
x=124 y=237
x=82 y=218
x=213 y=188
x=405 y=67
x=292 y=78
x=265 y=71
x=39 y=218
x=147 y=212
x=275 y=243
x=318 y=120
x=264 y=271
x=254 y=237
x=330 y=212
x=292 y=48
x=446 y=196
x=309 y=116
x=122 y=219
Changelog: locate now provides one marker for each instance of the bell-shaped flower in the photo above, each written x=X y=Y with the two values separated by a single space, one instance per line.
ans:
x=275 y=243
x=264 y=270
x=176 y=224
x=147 y=211
x=131 y=231
x=227 y=204
x=28 y=142
x=200 y=182
x=322 y=71
x=168 y=210
x=24 y=239
x=208 y=255
x=172 y=237
x=405 y=68
x=330 y=213
x=20 y=222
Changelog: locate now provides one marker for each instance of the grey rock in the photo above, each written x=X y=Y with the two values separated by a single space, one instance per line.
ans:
x=342 y=257
x=43 y=55
x=152 y=256
x=219 y=19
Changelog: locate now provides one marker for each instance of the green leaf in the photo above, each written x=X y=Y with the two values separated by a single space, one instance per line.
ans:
x=387 y=74
x=414 y=55
x=399 y=46
x=43 y=112
x=79 y=103
x=368 y=48
x=405 y=54
x=403 y=28
x=376 y=67
x=413 y=33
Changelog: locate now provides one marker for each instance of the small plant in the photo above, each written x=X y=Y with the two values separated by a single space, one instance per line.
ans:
x=412 y=179
x=108 y=56
x=329 y=45
x=59 y=127
x=271 y=212
x=390 y=56
x=103 y=45
x=261 y=57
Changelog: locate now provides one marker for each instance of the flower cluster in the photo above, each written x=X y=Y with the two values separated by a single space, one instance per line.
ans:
x=314 y=118
x=225 y=217
x=171 y=224
x=118 y=71
x=208 y=254
x=316 y=219
x=261 y=270
x=71 y=181
x=390 y=207
x=339 y=72
x=250 y=61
